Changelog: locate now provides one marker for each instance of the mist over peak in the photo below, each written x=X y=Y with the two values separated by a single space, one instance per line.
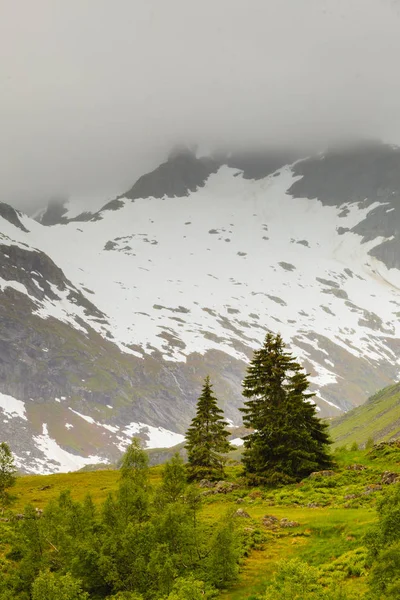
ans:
x=94 y=94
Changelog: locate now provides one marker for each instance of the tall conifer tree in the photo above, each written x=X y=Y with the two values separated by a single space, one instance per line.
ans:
x=289 y=441
x=206 y=438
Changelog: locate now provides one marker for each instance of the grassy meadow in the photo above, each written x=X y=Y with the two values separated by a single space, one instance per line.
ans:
x=331 y=512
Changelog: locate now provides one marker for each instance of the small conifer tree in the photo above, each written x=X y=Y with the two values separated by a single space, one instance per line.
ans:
x=288 y=441
x=206 y=438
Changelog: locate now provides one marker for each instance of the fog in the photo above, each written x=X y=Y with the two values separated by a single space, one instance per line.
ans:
x=95 y=92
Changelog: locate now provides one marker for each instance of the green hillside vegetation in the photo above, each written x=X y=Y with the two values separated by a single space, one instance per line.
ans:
x=292 y=521
x=377 y=419
x=317 y=527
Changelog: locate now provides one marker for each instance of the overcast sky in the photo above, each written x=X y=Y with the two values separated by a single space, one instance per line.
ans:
x=94 y=92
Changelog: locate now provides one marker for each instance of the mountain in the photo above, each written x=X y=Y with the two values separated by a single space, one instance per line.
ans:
x=110 y=320
x=378 y=418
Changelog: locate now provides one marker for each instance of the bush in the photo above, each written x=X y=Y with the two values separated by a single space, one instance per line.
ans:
x=50 y=586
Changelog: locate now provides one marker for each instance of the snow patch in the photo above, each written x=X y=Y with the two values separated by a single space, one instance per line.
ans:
x=12 y=407
x=237 y=442
x=19 y=287
x=84 y=417
x=157 y=437
x=59 y=460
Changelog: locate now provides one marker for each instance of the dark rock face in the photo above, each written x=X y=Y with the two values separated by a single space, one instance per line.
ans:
x=37 y=272
x=180 y=174
x=33 y=269
x=9 y=214
x=183 y=173
x=258 y=165
x=364 y=173
x=360 y=175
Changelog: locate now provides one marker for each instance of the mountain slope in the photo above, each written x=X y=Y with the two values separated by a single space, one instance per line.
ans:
x=378 y=418
x=110 y=323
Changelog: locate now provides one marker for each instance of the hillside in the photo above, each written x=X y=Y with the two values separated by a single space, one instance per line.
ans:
x=378 y=418
x=110 y=321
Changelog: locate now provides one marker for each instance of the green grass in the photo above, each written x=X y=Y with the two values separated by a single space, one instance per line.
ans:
x=378 y=418
x=40 y=489
x=324 y=536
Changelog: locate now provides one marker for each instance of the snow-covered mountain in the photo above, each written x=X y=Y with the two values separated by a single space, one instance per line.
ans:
x=111 y=320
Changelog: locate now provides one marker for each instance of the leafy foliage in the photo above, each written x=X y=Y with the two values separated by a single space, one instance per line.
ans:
x=174 y=541
x=289 y=441
x=191 y=589
x=135 y=464
x=222 y=560
x=296 y=580
x=8 y=476
x=206 y=438
x=384 y=544
x=137 y=545
x=174 y=480
x=51 y=586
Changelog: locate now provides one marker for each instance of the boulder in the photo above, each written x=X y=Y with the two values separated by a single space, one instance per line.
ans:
x=388 y=477
x=205 y=483
x=317 y=474
x=287 y=523
x=242 y=513
x=224 y=487
x=270 y=522
x=370 y=489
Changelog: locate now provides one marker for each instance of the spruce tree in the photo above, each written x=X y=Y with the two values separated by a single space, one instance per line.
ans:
x=206 y=438
x=288 y=441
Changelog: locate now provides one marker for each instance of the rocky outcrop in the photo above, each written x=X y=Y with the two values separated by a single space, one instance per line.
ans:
x=242 y=514
x=11 y=215
x=274 y=524
x=183 y=172
x=388 y=478
x=40 y=276
x=180 y=174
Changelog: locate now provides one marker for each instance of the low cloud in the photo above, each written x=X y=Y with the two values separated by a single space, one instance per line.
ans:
x=94 y=93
